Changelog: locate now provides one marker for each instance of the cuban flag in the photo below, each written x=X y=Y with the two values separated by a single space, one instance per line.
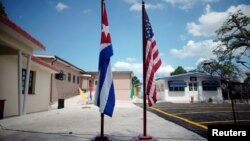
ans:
x=105 y=94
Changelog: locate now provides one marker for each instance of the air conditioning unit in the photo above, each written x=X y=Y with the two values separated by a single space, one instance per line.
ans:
x=60 y=76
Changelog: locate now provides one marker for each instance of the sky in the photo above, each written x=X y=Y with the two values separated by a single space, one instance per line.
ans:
x=71 y=29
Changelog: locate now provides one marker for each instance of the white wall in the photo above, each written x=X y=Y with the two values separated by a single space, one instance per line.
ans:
x=215 y=95
x=39 y=101
x=185 y=96
x=9 y=86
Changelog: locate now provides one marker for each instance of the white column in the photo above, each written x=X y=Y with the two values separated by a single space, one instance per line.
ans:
x=26 y=84
x=19 y=73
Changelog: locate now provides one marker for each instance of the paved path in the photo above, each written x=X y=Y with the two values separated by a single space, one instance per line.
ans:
x=78 y=122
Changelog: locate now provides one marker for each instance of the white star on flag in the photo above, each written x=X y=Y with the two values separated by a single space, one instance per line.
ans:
x=105 y=29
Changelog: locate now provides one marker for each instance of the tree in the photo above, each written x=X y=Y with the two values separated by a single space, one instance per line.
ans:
x=221 y=69
x=233 y=37
x=135 y=87
x=247 y=80
x=2 y=9
x=178 y=70
x=135 y=81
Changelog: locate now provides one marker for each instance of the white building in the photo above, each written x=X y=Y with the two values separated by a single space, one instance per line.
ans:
x=188 y=87
x=25 y=79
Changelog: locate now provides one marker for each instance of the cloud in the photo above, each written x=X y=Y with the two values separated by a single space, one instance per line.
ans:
x=189 y=68
x=136 y=67
x=182 y=4
x=61 y=6
x=128 y=66
x=164 y=70
x=187 y=4
x=131 y=1
x=201 y=60
x=210 y=21
x=136 y=5
x=130 y=59
x=194 y=49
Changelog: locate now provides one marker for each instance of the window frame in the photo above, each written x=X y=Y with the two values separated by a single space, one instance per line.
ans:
x=177 y=88
x=69 y=77
x=193 y=86
x=74 y=78
x=31 y=84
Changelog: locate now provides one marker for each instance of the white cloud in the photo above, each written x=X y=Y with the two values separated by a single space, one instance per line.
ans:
x=137 y=6
x=182 y=4
x=61 y=6
x=130 y=59
x=210 y=21
x=207 y=8
x=128 y=66
x=165 y=70
x=136 y=67
x=201 y=60
x=189 y=68
x=187 y=4
x=193 y=49
x=131 y=1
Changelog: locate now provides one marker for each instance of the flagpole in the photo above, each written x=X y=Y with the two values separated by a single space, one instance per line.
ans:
x=144 y=137
x=144 y=74
x=102 y=125
x=102 y=115
x=102 y=137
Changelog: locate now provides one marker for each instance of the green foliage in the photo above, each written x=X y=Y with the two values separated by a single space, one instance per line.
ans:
x=2 y=9
x=221 y=69
x=247 y=81
x=233 y=37
x=178 y=70
x=135 y=81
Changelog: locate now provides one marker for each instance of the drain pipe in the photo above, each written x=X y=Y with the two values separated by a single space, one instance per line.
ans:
x=51 y=79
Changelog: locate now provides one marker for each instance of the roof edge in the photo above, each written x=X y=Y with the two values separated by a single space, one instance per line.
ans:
x=45 y=64
x=18 y=29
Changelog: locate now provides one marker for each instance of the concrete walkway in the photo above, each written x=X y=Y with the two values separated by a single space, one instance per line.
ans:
x=78 y=122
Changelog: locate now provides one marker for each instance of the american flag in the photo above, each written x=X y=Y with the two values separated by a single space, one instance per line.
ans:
x=152 y=61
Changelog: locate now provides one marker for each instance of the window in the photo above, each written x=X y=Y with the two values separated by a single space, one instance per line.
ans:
x=96 y=82
x=74 y=77
x=31 y=85
x=78 y=80
x=177 y=85
x=192 y=86
x=69 y=77
x=210 y=85
x=176 y=88
x=195 y=85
